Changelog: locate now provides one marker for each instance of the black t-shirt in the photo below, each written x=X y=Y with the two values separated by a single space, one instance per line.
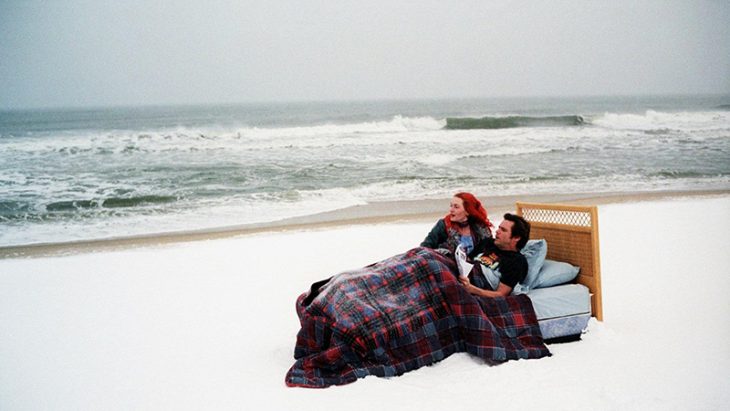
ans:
x=512 y=265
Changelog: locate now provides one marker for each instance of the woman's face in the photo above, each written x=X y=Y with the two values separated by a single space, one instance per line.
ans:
x=456 y=210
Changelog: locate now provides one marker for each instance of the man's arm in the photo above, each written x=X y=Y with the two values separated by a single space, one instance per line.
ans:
x=503 y=289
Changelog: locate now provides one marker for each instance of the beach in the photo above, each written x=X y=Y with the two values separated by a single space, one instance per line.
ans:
x=206 y=320
x=415 y=211
x=174 y=176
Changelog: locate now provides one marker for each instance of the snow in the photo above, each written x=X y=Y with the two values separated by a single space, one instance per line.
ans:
x=211 y=324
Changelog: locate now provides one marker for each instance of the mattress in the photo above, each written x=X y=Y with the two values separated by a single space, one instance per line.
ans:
x=563 y=310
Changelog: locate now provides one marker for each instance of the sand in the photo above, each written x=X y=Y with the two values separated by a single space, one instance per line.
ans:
x=209 y=322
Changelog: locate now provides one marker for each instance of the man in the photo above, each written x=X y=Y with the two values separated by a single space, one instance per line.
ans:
x=502 y=257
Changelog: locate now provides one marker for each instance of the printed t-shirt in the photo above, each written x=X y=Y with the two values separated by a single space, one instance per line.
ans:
x=511 y=265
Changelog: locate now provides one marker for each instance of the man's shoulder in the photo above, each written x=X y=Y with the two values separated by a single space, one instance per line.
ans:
x=514 y=260
x=515 y=265
x=516 y=256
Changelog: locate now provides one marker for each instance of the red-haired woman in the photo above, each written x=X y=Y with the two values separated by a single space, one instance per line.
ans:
x=466 y=224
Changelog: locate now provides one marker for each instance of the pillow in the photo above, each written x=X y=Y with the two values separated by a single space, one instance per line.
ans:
x=534 y=251
x=555 y=273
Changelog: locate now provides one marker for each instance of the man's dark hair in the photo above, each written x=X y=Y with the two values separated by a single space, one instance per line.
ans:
x=520 y=228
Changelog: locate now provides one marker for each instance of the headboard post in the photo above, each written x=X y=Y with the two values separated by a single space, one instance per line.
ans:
x=571 y=233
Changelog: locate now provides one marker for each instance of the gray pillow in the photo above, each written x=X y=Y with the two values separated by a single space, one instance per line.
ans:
x=535 y=252
x=555 y=273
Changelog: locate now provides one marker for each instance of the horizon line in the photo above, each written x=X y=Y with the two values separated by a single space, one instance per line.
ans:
x=91 y=107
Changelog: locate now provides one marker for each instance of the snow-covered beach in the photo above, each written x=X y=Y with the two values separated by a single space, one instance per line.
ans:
x=211 y=324
x=174 y=175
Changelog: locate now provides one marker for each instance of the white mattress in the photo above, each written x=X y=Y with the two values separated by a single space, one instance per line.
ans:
x=560 y=301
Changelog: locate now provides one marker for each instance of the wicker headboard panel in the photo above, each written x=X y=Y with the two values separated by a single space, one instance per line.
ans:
x=571 y=233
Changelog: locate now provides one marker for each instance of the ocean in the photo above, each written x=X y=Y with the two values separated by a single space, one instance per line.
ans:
x=81 y=174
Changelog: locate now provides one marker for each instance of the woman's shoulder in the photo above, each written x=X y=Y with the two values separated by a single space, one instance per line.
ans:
x=441 y=222
x=482 y=231
x=436 y=236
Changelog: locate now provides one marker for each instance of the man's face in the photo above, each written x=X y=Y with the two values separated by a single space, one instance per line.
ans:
x=503 y=238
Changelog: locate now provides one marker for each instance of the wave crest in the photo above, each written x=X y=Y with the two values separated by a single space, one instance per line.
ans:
x=468 y=123
x=112 y=202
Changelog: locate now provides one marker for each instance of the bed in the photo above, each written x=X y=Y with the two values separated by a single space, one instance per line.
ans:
x=571 y=234
x=410 y=311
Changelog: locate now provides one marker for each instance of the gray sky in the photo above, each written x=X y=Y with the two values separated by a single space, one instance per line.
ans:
x=98 y=52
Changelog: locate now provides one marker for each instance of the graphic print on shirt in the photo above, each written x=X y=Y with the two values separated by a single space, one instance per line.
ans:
x=491 y=260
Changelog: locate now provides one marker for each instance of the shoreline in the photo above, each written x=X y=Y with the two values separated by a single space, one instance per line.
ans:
x=406 y=211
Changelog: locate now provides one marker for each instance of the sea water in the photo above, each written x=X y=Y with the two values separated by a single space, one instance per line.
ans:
x=78 y=174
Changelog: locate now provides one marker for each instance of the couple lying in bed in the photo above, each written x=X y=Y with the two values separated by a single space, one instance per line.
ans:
x=465 y=233
x=416 y=308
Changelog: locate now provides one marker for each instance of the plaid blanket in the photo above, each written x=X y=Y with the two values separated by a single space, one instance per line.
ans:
x=401 y=314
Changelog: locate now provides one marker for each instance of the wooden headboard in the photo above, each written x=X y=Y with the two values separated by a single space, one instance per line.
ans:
x=571 y=233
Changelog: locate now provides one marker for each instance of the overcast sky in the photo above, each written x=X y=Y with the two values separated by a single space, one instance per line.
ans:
x=98 y=52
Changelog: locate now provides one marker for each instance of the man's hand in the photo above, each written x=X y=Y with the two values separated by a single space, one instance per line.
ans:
x=470 y=288
x=502 y=290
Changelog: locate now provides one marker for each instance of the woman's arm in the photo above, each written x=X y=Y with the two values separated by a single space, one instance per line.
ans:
x=482 y=239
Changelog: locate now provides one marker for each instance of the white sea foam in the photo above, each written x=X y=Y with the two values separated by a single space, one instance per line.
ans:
x=400 y=130
x=187 y=139
x=230 y=175
x=438 y=159
x=397 y=124
x=652 y=120
x=219 y=213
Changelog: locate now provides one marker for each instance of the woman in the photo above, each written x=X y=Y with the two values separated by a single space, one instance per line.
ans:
x=466 y=224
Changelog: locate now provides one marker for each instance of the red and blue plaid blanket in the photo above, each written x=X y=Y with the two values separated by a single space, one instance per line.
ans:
x=401 y=314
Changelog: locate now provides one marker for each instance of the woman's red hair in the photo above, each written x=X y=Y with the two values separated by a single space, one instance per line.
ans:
x=474 y=208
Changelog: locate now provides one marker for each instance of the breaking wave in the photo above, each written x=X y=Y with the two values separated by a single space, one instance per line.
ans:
x=468 y=123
